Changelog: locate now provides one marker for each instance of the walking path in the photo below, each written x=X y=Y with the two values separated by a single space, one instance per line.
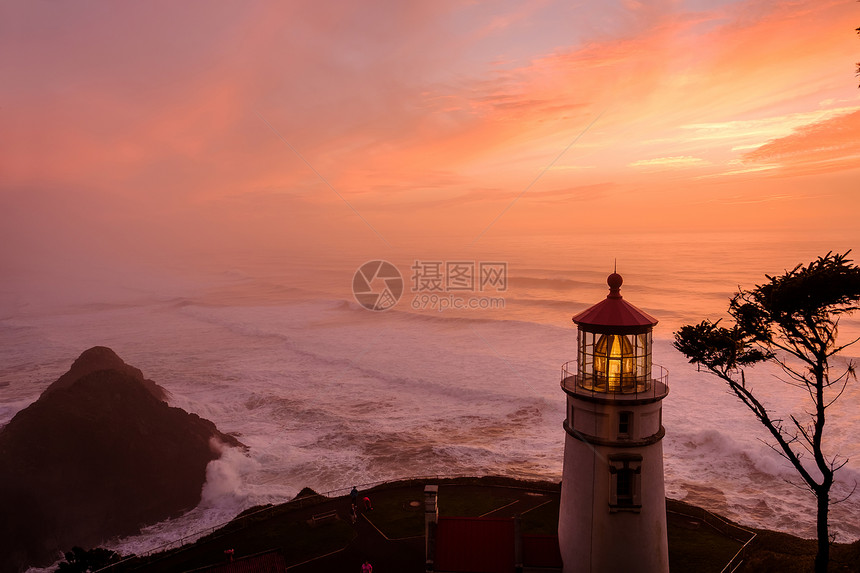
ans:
x=317 y=533
x=371 y=544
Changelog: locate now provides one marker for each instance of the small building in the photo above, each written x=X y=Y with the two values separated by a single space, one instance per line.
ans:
x=484 y=544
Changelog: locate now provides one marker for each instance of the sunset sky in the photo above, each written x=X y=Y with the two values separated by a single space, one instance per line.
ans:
x=195 y=184
x=207 y=125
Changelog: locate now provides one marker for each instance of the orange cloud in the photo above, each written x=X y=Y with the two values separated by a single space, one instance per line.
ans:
x=414 y=112
x=828 y=145
x=674 y=162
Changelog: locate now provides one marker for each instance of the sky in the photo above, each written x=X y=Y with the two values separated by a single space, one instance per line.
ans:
x=150 y=129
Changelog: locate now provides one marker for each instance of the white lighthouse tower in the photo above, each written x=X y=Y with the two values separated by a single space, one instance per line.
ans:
x=613 y=502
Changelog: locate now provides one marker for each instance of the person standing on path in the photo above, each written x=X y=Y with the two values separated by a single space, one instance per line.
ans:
x=367 y=567
x=354 y=495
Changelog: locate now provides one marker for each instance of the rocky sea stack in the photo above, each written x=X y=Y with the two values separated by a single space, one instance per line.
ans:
x=99 y=454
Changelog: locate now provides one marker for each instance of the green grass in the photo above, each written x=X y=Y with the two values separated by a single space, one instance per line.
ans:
x=699 y=549
x=692 y=546
x=297 y=545
x=297 y=540
x=393 y=515
x=471 y=501
x=542 y=520
x=775 y=552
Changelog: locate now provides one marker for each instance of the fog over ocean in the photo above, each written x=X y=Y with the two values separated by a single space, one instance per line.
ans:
x=327 y=394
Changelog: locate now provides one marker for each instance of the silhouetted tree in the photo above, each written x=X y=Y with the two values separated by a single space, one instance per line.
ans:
x=791 y=321
x=79 y=560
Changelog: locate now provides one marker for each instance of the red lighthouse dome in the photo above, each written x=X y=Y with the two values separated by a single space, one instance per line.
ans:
x=614 y=314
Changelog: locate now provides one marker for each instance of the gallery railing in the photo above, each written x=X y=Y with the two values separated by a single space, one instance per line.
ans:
x=632 y=387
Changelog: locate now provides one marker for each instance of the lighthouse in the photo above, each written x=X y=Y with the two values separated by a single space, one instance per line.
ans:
x=613 y=501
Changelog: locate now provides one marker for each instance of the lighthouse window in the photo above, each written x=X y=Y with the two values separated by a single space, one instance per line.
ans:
x=625 y=482
x=614 y=362
x=624 y=423
x=624 y=487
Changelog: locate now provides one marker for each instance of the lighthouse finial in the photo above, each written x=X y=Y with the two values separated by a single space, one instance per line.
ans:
x=614 y=281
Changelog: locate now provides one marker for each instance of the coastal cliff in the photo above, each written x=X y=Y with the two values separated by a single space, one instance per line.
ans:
x=99 y=454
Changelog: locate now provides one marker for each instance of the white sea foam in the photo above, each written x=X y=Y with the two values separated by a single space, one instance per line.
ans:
x=326 y=394
x=225 y=477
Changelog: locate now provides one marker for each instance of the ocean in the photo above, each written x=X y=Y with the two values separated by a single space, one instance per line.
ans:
x=275 y=348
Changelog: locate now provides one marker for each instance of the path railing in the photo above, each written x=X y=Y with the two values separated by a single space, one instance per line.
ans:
x=656 y=385
x=730 y=530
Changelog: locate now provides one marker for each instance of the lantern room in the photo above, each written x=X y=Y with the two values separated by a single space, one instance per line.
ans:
x=614 y=345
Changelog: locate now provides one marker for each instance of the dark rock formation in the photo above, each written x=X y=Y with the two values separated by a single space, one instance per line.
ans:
x=305 y=492
x=99 y=454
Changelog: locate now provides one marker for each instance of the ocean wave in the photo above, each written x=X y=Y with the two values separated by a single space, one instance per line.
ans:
x=327 y=394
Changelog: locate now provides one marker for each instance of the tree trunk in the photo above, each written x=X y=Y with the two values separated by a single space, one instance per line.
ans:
x=823 y=556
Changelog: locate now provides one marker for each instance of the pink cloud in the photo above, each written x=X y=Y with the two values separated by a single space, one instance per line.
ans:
x=409 y=110
x=828 y=145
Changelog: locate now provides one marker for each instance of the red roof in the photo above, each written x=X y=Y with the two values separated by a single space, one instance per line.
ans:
x=614 y=314
x=472 y=544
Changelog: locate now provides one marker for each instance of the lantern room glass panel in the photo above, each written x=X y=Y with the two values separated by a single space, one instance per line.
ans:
x=614 y=362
